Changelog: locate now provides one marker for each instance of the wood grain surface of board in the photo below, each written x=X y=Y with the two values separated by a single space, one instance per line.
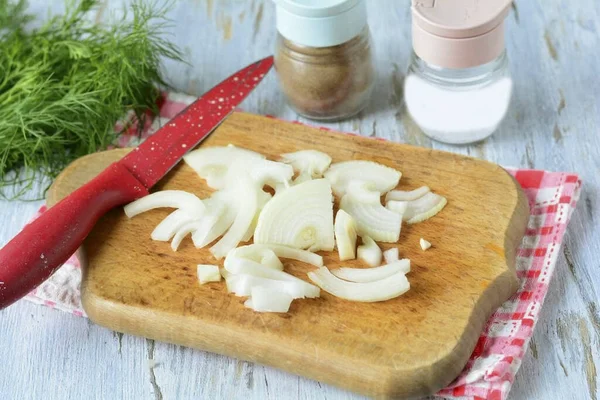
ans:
x=405 y=347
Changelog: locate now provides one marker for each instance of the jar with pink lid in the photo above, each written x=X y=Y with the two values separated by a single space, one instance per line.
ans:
x=458 y=85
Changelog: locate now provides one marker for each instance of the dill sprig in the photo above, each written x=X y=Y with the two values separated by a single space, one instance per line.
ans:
x=64 y=85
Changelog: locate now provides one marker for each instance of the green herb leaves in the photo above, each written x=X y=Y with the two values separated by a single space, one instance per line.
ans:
x=63 y=86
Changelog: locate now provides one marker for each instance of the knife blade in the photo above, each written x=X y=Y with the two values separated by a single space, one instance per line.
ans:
x=160 y=152
x=46 y=243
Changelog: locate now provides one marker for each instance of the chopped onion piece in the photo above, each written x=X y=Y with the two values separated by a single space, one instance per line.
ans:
x=399 y=195
x=345 y=235
x=373 y=219
x=280 y=187
x=204 y=229
x=280 y=251
x=269 y=300
x=369 y=252
x=340 y=174
x=303 y=177
x=372 y=274
x=247 y=197
x=208 y=273
x=242 y=284
x=424 y=208
x=391 y=255
x=363 y=192
x=248 y=267
x=300 y=217
x=263 y=198
x=218 y=229
x=310 y=163
x=169 y=226
x=189 y=206
x=167 y=199
x=296 y=254
x=224 y=273
x=424 y=244
x=225 y=199
x=244 y=266
x=396 y=206
x=271 y=173
x=213 y=163
x=200 y=227
x=271 y=260
x=381 y=290
x=256 y=253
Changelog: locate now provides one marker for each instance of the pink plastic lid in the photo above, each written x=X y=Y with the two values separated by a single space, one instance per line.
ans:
x=459 y=33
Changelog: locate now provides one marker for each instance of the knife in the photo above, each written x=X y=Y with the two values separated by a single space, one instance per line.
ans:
x=46 y=243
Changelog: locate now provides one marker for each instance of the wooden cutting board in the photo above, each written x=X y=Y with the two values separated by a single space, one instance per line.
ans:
x=406 y=347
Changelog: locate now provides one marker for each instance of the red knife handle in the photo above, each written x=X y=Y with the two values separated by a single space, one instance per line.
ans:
x=45 y=244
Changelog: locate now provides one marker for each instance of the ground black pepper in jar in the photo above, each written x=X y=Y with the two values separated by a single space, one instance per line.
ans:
x=324 y=58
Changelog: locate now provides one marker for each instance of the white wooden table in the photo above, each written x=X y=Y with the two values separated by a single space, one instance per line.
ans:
x=554 y=124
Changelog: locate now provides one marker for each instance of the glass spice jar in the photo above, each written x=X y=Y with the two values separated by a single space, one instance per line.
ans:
x=323 y=57
x=458 y=85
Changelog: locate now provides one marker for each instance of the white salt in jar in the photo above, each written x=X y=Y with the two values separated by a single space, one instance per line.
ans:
x=458 y=85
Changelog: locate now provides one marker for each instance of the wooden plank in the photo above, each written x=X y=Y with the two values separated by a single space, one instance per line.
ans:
x=134 y=285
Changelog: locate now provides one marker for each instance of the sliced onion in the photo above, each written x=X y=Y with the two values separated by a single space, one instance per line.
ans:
x=271 y=260
x=372 y=274
x=303 y=177
x=247 y=197
x=340 y=174
x=218 y=229
x=364 y=192
x=200 y=228
x=169 y=226
x=225 y=199
x=263 y=199
x=425 y=245
x=213 y=163
x=237 y=266
x=280 y=251
x=204 y=229
x=224 y=273
x=391 y=255
x=369 y=252
x=166 y=199
x=381 y=290
x=269 y=300
x=215 y=176
x=310 y=163
x=208 y=273
x=256 y=253
x=396 y=206
x=373 y=219
x=345 y=235
x=242 y=284
x=271 y=173
x=424 y=208
x=299 y=217
x=399 y=195
x=248 y=267
x=186 y=229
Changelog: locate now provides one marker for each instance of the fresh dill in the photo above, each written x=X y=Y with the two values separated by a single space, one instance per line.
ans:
x=64 y=85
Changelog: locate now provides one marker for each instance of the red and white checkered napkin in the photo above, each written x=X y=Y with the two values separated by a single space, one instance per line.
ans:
x=491 y=369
